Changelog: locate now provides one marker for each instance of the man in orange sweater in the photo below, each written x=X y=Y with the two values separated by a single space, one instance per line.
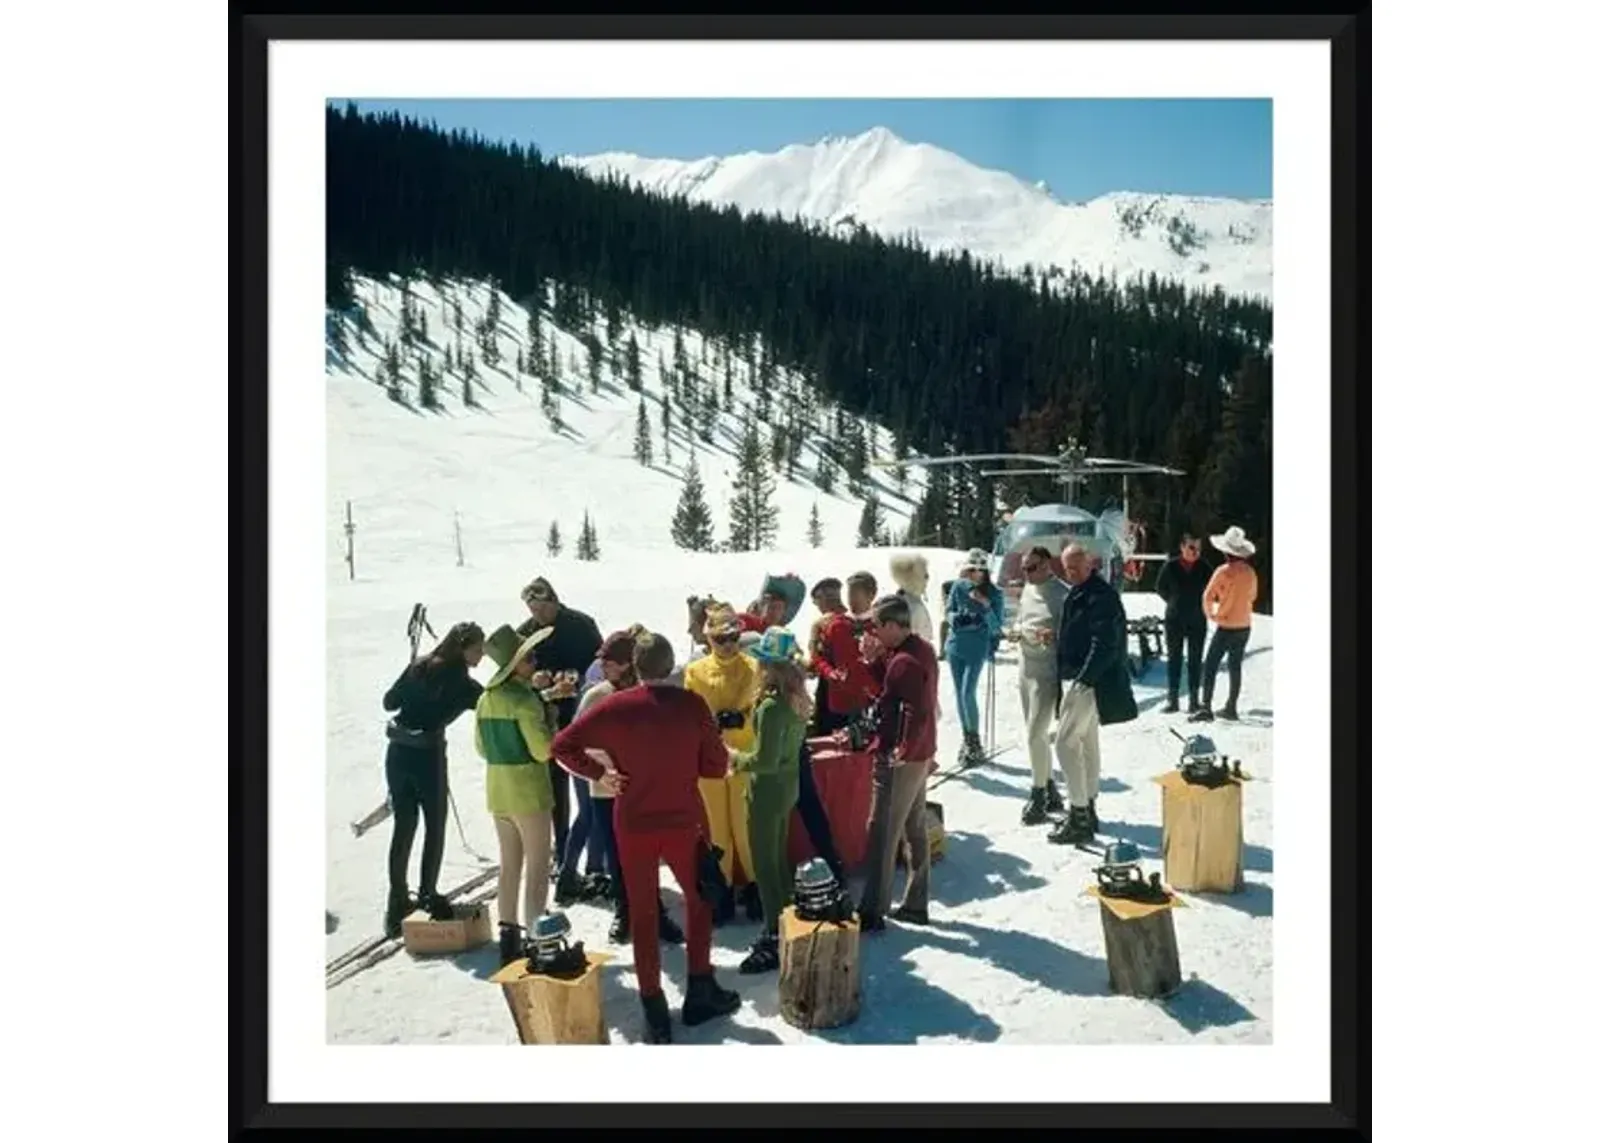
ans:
x=1229 y=602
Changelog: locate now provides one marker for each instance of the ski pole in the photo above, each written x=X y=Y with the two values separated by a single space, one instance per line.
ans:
x=462 y=833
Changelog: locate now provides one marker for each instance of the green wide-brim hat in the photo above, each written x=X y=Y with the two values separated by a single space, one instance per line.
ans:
x=507 y=649
x=776 y=645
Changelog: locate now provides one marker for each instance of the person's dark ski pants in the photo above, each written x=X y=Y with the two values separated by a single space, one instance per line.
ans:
x=417 y=780
x=1229 y=642
x=814 y=816
x=1186 y=646
x=561 y=787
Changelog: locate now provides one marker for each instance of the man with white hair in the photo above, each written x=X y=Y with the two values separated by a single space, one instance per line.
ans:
x=1092 y=664
x=1038 y=620
x=910 y=573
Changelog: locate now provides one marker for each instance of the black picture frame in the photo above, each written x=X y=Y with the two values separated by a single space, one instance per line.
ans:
x=1349 y=33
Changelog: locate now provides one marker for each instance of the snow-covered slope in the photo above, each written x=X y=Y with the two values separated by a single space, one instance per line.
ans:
x=505 y=471
x=886 y=184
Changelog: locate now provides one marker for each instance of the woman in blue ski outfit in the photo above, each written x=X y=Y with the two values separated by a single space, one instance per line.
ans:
x=976 y=613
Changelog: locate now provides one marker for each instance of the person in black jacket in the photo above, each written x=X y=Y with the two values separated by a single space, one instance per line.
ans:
x=574 y=647
x=429 y=695
x=1182 y=584
x=1092 y=665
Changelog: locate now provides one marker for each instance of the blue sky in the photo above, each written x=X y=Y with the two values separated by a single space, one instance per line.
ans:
x=1079 y=147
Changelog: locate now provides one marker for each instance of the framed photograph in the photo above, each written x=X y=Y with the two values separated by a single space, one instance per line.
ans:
x=771 y=531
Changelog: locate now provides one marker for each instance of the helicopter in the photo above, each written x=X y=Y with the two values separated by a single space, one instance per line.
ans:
x=1111 y=537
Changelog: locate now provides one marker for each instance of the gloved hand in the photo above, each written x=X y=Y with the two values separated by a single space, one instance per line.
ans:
x=730 y=719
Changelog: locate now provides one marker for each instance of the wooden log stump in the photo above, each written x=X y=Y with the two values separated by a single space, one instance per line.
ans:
x=548 y=1010
x=1141 y=945
x=1202 y=834
x=819 y=971
x=424 y=936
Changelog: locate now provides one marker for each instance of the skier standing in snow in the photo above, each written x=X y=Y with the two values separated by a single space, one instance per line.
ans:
x=729 y=682
x=1230 y=600
x=907 y=673
x=1038 y=620
x=1182 y=585
x=976 y=613
x=662 y=742
x=574 y=643
x=617 y=674
x=774 y=766
x=1092 y=664
x=514 y=728
x=431 y=693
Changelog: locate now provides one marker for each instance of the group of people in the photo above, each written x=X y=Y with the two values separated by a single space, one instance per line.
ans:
x=698 y=766
x=606 y=758
x=1072 y=637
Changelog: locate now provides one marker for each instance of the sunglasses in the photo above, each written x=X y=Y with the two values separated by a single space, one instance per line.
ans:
x=724 y=640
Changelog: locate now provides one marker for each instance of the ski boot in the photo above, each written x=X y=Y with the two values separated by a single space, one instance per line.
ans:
x=596 y=887
x=510 y=943
x=1074 y=829
x=870 y=921
x=723 y=912
x=396 y=911
x=667 y=930
x=1228 y=713
x=971 y=750
x=1094 y=818
x=1203 y=714
x=657 y=1020
x=906 y=916
x=750 y=899
x=705 y=999
x=1194 y=701
x=763 y=956
x=435 y=905
x=568 y=888
x=621 y=933
x=1052 y=799
x=1172 y=704
x=1034 y=813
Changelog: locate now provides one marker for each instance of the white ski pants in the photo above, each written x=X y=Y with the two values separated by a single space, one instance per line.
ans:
x=1040 y=697
x=1078 y=744
x=525 y=841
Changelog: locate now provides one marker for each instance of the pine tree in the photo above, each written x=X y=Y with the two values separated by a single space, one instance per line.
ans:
x=869 y=530
x=492 y=314
x=422 y=326
x=708 y=418
x=455 y=310
x=588 y=541
x=680 y=359
x=777 y=446
x=727 y=388
x=554 y=370
x=666 y=428
x=449 y=360
x=468 y=376
x=552 y=542
x=591 y=345
x=536 y=354
x=338 y=338
x=691 y=522
x=826 y=475
x=427 y=385
x=752 y=513
x=814 y=528
x=634 y=374
x=642 y=452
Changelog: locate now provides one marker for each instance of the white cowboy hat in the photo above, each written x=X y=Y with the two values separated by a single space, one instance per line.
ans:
x=1233 y=542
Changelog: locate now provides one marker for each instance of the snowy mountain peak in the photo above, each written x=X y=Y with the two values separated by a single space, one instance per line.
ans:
x=881 y=182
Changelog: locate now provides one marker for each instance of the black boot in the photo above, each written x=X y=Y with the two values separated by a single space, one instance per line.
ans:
x=510 y=943
x=397 y=910
x=568 y=889
x=705 y=999
x=1074 y=828
x=1034 y=813
x=1094 y=818
x=1228 y=713
x=1172 y=704
x=763 y=956
x=1202 y=715
x=907 y=916
x=667 y=930
x=620 y=933
x=657 y=1020
x=723 y=912
x=751 y=900
x=434 y=904
x=1052 y=799
x=1194 y=701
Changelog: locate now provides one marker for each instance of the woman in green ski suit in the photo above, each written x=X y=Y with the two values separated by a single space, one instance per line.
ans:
x=781 y=716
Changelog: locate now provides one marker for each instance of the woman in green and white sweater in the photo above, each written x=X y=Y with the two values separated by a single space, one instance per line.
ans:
x=514 y=727
x=781 y=715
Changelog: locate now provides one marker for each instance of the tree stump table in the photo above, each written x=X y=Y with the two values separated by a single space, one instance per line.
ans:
x=819 y=971
x=1202 y=834
x=549 y=1010
x=1141 y=945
